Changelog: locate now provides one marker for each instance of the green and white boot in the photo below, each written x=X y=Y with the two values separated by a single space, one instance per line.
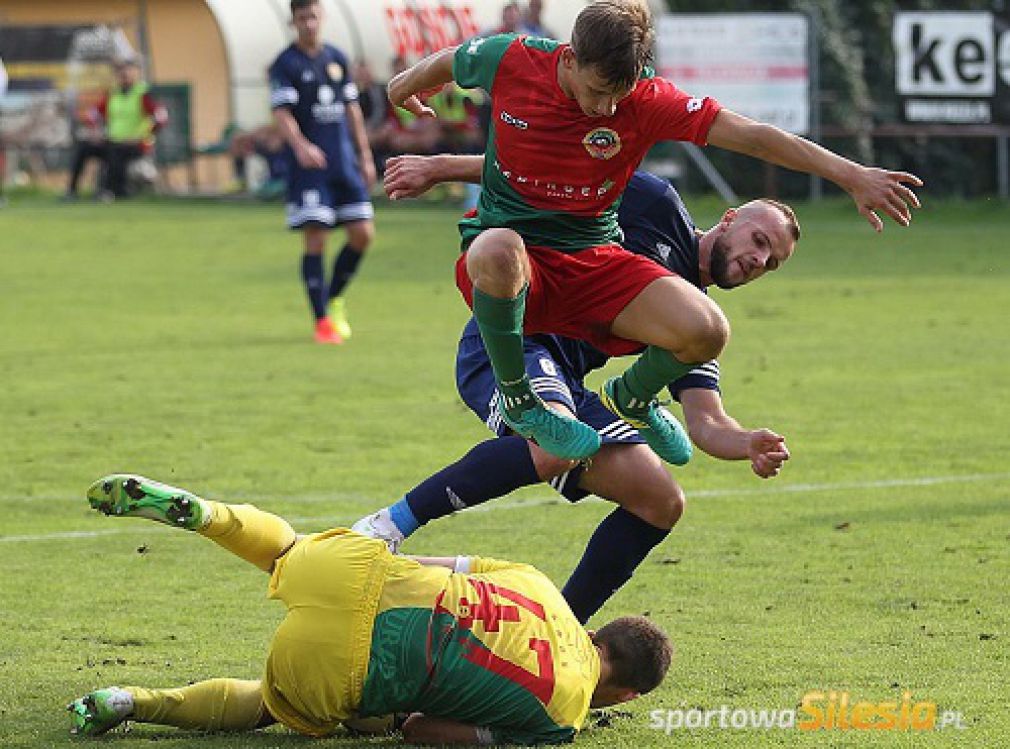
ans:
x=125 y=495
x=658 y=427
x=100 y=711
x=557 y=433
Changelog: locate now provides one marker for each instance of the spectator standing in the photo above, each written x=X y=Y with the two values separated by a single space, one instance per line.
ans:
x=532 y=22
x=375 y=109
x=89 y=143
x=3 y=148
x=511 y=18
x=131 y=117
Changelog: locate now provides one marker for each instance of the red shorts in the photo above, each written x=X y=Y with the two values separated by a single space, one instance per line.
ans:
x=578 y=295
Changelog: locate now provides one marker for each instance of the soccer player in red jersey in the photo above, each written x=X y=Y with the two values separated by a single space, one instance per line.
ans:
x=570 y=124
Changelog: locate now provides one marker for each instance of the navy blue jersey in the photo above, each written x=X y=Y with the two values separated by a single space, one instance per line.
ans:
x=317 y=91
x=655 y=223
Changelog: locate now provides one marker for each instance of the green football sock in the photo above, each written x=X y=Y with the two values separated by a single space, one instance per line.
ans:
x=501 y=326
x=655 y=369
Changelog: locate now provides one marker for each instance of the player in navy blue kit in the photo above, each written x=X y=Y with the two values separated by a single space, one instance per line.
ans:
x=747 y=242
x=315 y=105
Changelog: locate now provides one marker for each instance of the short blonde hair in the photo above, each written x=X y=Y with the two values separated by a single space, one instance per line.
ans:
x=791 y=221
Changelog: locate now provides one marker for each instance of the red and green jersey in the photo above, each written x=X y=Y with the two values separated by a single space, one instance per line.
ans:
x=496 y=648
x=552 y=173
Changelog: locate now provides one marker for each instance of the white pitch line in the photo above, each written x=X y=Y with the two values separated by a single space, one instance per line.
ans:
x=841 y=486
x=519 y=504
x=59 y=535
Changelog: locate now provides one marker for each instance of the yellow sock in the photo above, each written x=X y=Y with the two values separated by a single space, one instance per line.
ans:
x=214 y=705
x=256 y=536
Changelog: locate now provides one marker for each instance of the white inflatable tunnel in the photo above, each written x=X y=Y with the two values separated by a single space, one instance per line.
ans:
x=255 y=31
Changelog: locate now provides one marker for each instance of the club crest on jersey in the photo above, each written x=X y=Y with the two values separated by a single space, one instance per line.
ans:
x=326 y=95
x=335 y=71
x=602 y=143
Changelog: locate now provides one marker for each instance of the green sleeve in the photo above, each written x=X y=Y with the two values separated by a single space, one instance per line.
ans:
x=476 y=61
x=506 y=737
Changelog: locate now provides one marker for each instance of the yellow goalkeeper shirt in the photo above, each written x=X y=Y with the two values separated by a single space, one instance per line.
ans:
x=496 y=647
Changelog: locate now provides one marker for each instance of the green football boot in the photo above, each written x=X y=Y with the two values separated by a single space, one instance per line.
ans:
x=555 y=432
x=658 y=427
x=100 y=711
x=129 y=496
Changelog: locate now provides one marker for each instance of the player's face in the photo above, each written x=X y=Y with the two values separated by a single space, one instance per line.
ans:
x=753 y=240
x=510 y=18
x=606 y=695
x=308 y=23
x=127 y=75
x=595 y=96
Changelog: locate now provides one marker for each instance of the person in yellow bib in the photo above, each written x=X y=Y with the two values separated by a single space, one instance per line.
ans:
x=470 y=650
x=131 y=117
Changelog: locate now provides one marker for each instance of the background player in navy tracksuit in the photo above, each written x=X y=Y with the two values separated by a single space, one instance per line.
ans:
x=656 y=224
x=315 y=105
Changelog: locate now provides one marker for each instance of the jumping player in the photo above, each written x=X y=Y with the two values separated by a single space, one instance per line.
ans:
x=570 y=124
x=315 y=106
x=477 y=651
x=748 y=242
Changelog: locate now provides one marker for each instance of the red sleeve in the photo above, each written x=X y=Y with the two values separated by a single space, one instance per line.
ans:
x=670 y=114
x=154 y=110
x=103 y=106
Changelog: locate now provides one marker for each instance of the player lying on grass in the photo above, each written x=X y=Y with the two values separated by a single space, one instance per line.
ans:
x=570 y=124
x=748 y=242
x=476 y=651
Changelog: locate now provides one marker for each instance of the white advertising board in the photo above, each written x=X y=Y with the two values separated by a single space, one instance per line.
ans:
x=756 y=64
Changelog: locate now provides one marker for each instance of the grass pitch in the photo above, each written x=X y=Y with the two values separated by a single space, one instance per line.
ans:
x=172 y=339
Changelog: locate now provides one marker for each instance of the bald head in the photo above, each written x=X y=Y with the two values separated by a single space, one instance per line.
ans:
x=749 y=241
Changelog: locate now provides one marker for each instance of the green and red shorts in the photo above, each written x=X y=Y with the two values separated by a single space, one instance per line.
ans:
x=579 y=294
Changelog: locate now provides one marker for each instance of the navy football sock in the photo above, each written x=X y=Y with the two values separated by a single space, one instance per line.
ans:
x=314 y=278
x=616 y=548
x=344 y=268
x=491 y=469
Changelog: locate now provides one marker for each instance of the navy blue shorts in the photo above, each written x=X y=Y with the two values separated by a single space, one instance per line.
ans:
x=318 y=196
x=478 y=389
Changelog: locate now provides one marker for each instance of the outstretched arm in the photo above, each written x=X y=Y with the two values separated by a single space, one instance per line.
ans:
x=718 y=434
x=411 y=176
x=422 y=729
x=456 y=564
x=872 y=189
x=469 y=563
x=433 y=71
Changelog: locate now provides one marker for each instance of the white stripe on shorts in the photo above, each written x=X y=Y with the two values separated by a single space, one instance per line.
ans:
x=543 y=385
x=354 y=212
x=619 y=430
x=298 y=216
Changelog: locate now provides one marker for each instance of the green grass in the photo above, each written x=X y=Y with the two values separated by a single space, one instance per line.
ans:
x=172 y=339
